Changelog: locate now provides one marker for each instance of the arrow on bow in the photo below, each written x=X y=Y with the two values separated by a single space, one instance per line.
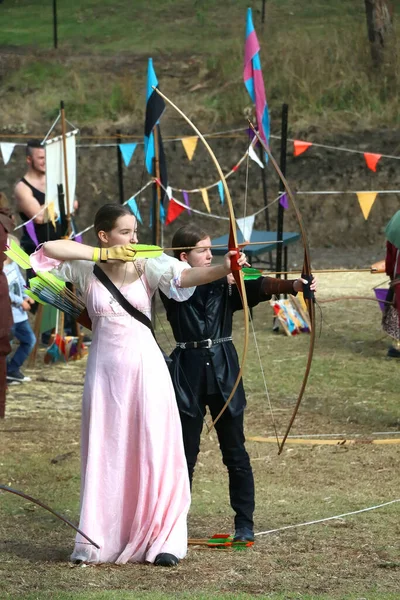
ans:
x=232 y=245
x=306 y=274
x=6 y=488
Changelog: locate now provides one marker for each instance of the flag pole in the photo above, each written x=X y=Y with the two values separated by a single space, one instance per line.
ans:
x=157 y=220
x=64 y=142
x=120 y=171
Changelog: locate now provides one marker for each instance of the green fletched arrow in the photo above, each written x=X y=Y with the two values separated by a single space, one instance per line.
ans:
x=250 y=273
x=147 y=251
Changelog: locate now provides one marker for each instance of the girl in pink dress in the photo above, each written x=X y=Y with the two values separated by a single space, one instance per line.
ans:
x=134 y=482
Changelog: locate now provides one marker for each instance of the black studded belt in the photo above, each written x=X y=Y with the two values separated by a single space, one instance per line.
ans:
x=203 y=343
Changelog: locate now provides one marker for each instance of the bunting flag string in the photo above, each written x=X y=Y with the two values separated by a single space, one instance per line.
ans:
x=228 y=133
x=80 y=233
x=371 y=159
x=227 y=175
x=365 y=200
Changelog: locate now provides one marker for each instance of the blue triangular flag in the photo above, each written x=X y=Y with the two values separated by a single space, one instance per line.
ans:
x=127 y=151
x=221 y=191
x=133 y=207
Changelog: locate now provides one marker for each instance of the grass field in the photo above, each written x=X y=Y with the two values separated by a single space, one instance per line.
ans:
x=315 y=57
x=353 y=393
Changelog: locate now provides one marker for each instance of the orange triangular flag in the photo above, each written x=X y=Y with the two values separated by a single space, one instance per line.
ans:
x=190 y=144
x=372 y=160
x=299 y=147
x=204 y=193
x=366 y=200
x=174 y=210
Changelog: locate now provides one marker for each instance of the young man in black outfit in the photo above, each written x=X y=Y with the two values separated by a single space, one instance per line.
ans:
x=205 y=367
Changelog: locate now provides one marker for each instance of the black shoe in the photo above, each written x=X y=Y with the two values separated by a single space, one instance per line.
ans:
x=243 y=534
x=166 y=560
x=393 y=352
x=17 y=376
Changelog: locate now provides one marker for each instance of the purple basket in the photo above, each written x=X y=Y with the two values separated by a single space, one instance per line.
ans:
x=381 y=295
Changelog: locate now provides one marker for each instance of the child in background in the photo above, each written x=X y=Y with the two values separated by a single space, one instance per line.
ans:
x=21 y=329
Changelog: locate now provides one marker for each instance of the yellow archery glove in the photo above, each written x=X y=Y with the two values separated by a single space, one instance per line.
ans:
x=124 y=253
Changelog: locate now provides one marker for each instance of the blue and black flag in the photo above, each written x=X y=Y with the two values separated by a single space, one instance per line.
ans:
x=155 y=106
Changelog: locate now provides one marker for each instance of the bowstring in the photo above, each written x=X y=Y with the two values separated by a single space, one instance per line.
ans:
x=267 y=394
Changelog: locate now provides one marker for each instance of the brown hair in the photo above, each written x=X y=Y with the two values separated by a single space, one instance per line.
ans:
x=186 y=238
x=107 y=216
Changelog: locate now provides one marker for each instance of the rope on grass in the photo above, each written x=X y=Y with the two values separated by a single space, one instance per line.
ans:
x=355 y=512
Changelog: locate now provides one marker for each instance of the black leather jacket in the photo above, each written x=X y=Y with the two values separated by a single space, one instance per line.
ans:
x=208 y=314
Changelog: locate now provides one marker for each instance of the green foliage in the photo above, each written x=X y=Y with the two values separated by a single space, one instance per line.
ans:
x=315 y=57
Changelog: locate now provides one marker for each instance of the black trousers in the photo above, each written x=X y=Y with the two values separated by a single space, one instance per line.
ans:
x=234 y=455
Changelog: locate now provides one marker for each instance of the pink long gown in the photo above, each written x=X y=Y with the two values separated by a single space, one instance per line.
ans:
x=134 y=484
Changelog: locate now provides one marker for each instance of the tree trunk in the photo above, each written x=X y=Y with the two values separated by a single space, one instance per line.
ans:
x=380 y=27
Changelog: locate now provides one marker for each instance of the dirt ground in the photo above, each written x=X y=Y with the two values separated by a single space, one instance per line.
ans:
x=355 y=556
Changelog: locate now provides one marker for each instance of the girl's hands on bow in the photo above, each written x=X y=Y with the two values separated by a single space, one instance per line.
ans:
x=125 y=253
x=299 y=284
x=241 y=261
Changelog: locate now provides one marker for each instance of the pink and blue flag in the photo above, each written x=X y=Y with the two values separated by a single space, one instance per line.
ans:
x=253 y=78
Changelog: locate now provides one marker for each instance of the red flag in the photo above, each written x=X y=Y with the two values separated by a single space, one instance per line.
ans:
x=174 y=210
x=299 y=147
x=372 y=160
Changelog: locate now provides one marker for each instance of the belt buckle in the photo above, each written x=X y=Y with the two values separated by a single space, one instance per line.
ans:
x=209 y=343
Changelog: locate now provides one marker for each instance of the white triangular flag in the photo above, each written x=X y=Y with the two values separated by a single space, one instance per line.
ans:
x=246 y=225
x=169 y=192
x=6 y=151
x=253 y=156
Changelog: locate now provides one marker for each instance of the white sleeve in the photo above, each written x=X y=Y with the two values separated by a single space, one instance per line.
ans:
x=78 y=272
x=165 y=273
